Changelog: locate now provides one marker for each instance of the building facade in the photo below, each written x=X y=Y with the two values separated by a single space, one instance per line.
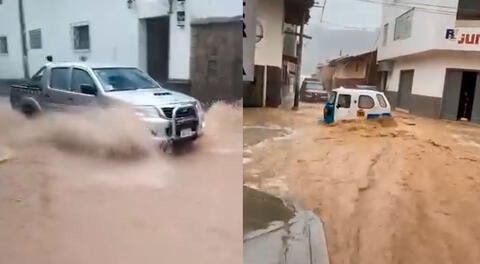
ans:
x=270 y=55
x=356 y=69
x=158 y=36
x=429 y=58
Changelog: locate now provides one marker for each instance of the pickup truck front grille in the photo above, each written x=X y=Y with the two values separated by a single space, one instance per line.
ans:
x=181 y=112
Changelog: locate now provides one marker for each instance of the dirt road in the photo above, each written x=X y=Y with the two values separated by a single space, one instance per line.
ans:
x=88 y=189
x=405 y=193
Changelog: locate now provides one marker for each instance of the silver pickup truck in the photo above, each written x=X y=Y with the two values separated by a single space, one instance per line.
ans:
x=170 y=116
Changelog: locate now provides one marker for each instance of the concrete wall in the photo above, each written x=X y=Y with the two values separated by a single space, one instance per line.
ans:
x=217 y=62
x=269 y=50
x=11 y=64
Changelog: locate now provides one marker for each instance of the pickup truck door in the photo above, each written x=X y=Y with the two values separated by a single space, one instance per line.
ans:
x=56 y=94
x=63 y=90
x=81 y=100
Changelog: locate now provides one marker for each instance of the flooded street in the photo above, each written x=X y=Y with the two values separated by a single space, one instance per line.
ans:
x=93 y=189
x=388 y=192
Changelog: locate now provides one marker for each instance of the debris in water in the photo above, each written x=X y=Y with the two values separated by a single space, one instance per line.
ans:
x=322 y=138
x=435 y=144
x=387 y=122
x=409 y=123
x=468 y=158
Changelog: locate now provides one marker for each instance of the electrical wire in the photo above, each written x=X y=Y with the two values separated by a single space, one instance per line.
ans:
x=399 y=4
x=424 y=4
x=349 y=27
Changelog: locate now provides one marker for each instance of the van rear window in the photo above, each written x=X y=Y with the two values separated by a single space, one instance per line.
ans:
x=365 y=102
x=381 y=100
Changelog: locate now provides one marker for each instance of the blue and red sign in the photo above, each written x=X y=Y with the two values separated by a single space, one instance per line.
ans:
x=465 y=38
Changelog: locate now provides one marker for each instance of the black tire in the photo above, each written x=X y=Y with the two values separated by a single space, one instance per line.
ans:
x=29 y=111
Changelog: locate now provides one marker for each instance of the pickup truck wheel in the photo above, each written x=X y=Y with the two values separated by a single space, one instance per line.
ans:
x=29 y=111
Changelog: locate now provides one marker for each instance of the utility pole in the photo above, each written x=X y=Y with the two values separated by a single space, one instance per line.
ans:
x=24 y=39
x=299 y=65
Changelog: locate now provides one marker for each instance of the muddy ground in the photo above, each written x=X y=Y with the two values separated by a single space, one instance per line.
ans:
x=394 y=192
x=92 y=188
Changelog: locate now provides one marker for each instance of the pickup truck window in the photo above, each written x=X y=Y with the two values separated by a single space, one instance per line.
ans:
x=314 y=86
x=80 y=77
x=59 y=78
x=38 y=76
x=123 y=79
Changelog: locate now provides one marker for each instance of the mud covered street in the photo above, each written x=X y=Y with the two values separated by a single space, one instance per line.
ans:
x=390 y=192
x=92 y=188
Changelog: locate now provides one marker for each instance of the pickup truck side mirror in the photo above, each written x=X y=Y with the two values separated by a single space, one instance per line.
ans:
x=338 y=105
x=88 y=89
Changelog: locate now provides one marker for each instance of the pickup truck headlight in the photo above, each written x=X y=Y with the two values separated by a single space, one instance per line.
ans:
x=200 y=113
x=199 y=108
x=146 y=111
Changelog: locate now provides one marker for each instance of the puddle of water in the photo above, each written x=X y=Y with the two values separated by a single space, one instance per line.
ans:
x=260 y=209
x=253 y=135
x=5 y=154
x=467 y=140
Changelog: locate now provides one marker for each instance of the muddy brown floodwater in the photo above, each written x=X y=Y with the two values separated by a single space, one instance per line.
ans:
x=406 y=191
x=91 y=188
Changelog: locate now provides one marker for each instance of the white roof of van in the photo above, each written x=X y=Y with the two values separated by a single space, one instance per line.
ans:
x=357 y=91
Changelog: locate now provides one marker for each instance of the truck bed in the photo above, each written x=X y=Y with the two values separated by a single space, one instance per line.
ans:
x=20 y=91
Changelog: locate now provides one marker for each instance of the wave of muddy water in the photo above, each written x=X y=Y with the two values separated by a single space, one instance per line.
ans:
x=93 y=188
x=405 y=193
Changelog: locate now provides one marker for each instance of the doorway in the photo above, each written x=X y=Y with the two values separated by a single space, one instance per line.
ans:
x=158 y=32
x=383 y=77
x=405 y=89
x=467 y=94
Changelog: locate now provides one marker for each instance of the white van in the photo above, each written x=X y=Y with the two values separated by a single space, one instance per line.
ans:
x=348 y=104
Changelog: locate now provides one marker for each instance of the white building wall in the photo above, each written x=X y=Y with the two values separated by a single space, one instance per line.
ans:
x=114 y=31
x=150 y=8
x=11 y=66
x=270 y=49
x=202 y=9
x=430 y=69
x=180 y=45
x=428 y=30
x=117 y=34
x=180 y=37
x=250 y=23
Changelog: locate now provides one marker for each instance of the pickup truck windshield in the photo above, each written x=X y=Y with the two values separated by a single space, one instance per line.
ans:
x=314 y=86
x=123 y=79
